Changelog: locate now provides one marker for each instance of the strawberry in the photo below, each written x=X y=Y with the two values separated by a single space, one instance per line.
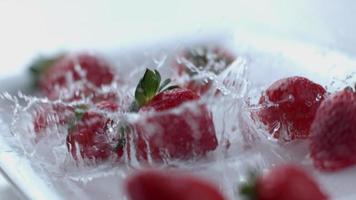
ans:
x=281 y=183
x=153 y=185
x=89 y=134
x=333 y=132
x=51 y=115
x=204 y=58
x=162 y=133
x=289 y=106
x=52 y=75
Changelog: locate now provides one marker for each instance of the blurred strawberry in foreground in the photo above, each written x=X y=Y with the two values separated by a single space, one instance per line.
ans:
x=52 y=75
x=163 y=134
x=206 y=59
x=89 y=134
x=282 y=183
x=289 y=106
x=154 y=185
x=333 y=132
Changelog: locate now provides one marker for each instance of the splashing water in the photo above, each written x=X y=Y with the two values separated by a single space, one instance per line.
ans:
x=243 y=146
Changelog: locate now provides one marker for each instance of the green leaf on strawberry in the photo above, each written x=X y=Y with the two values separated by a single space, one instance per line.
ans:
x=280 y=183
x=248 y=189
x=148 y=87
x=79 y=111
x=40 y=65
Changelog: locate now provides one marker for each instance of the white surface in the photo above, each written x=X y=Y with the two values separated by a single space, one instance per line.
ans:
x=30 y=27
x=6 y=192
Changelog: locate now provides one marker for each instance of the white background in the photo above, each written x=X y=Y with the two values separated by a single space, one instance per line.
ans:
x=28 y=28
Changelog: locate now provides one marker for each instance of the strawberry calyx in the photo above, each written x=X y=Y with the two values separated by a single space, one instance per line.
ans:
x=40 y=65
x=198 y=58
x=351 y=89
x=148 y=87
x=124 y=128
x=79 y=112
x=206 y=58
x=249 y=188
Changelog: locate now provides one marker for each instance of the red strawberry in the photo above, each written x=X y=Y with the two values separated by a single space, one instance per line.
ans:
x=333 y=132
x=281 y=183
x=289 y=106
x=89 y=137
x=154 y=185
x=51 y=115
x=163 y=134
x=59 y=73
x=205 y=58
